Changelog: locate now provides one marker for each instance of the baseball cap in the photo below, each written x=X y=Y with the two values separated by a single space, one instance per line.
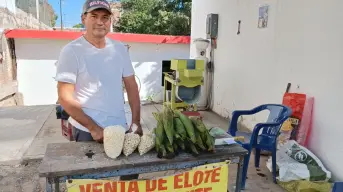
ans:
x=91 y=5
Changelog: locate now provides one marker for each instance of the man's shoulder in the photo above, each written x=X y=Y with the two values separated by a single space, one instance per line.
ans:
x=116 y=44
x=76 y=43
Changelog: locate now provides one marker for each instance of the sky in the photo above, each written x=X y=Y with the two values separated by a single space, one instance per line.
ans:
x=71 y=11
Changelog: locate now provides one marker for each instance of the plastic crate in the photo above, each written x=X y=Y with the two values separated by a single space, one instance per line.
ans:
x=67 y=129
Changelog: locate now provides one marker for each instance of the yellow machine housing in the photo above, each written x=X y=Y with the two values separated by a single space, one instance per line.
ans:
x=186 y=81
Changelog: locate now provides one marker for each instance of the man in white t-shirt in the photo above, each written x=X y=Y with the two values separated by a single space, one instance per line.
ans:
x=90 y=72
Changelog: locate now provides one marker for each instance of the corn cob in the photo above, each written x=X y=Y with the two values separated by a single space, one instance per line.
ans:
x=187 y=124
x=176 y=148
x=159 y=132
x=170 y=150
x=198 y=124
x=199 y=142
x=204 y=133
x=209 y=141
x=180 y=128
x=181 y=144
x=192 y=148
x=169 y=147
x=162 y=152
x=159 y=129
x=168 y=124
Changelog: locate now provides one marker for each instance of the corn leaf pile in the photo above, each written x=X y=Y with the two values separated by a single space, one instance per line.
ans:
x=177 y=132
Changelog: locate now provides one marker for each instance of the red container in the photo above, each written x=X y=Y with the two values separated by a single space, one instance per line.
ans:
x=67 y=130
x=192 y=114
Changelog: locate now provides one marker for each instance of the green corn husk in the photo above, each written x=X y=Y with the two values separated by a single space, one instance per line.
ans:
x=187 y=124
x=168 y=124
x=180 y=128
x=198 y=124
x=181 y=144
x=159 y=132
x=162 y=152
x=199 y=142
x=176 y=148
x=192 y=148
x=209 y=141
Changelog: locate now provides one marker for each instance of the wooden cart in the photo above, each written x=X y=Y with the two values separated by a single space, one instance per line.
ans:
x=87 y=160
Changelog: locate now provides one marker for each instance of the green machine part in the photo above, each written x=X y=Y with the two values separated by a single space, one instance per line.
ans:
x=190 y=71
x=187 y=86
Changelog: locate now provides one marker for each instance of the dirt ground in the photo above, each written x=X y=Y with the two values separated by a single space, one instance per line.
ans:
x=21 y=178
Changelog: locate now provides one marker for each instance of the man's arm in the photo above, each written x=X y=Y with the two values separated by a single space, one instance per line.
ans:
x=73 y=108
x=132 y=90
x=134 y=100
x=66 y=77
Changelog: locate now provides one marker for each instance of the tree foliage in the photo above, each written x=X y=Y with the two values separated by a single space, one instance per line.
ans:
x=53 y=20
x=80 y=25
x=165 y=17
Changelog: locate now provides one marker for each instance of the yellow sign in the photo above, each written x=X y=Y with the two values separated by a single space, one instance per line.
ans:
x=206 y=178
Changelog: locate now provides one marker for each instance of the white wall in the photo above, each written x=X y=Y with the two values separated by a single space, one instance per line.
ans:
x=36 y=67
x=301 y=45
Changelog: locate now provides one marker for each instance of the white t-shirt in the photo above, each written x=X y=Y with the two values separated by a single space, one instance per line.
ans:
x=97 y=75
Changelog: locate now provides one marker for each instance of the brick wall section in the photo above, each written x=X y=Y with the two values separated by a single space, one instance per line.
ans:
x=6 y=66
x=8 y=69
x=21 y=20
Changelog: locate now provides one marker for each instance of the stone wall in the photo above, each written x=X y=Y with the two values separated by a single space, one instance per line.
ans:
x=8 y=66
x=21 y=20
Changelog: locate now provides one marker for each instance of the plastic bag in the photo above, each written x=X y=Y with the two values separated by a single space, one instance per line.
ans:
x=308 y=186
x=147 y=143
x=295 y=162
x=131 y=143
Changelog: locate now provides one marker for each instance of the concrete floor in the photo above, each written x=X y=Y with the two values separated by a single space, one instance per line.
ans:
x=25 y=177
x=18 y=128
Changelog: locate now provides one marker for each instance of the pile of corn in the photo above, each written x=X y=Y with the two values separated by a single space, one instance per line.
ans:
x=176 y=132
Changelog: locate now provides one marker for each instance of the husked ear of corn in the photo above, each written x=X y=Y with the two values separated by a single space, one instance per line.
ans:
x=131 y=143
x=114 y=137
x=147 y=143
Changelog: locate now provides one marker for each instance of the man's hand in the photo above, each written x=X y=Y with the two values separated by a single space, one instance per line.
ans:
x=73 y=108
x=139 y=129
x=98 y=134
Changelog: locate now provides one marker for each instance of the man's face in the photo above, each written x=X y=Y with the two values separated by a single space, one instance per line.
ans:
x=97 y=22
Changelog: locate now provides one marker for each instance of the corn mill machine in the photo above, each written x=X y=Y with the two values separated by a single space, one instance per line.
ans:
x=186 y=79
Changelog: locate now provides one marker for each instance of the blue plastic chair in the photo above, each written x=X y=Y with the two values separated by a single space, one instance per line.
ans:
x=337 y=187
x=267 y=140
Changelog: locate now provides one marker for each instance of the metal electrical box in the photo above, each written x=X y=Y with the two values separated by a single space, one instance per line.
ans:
x=212 y=26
